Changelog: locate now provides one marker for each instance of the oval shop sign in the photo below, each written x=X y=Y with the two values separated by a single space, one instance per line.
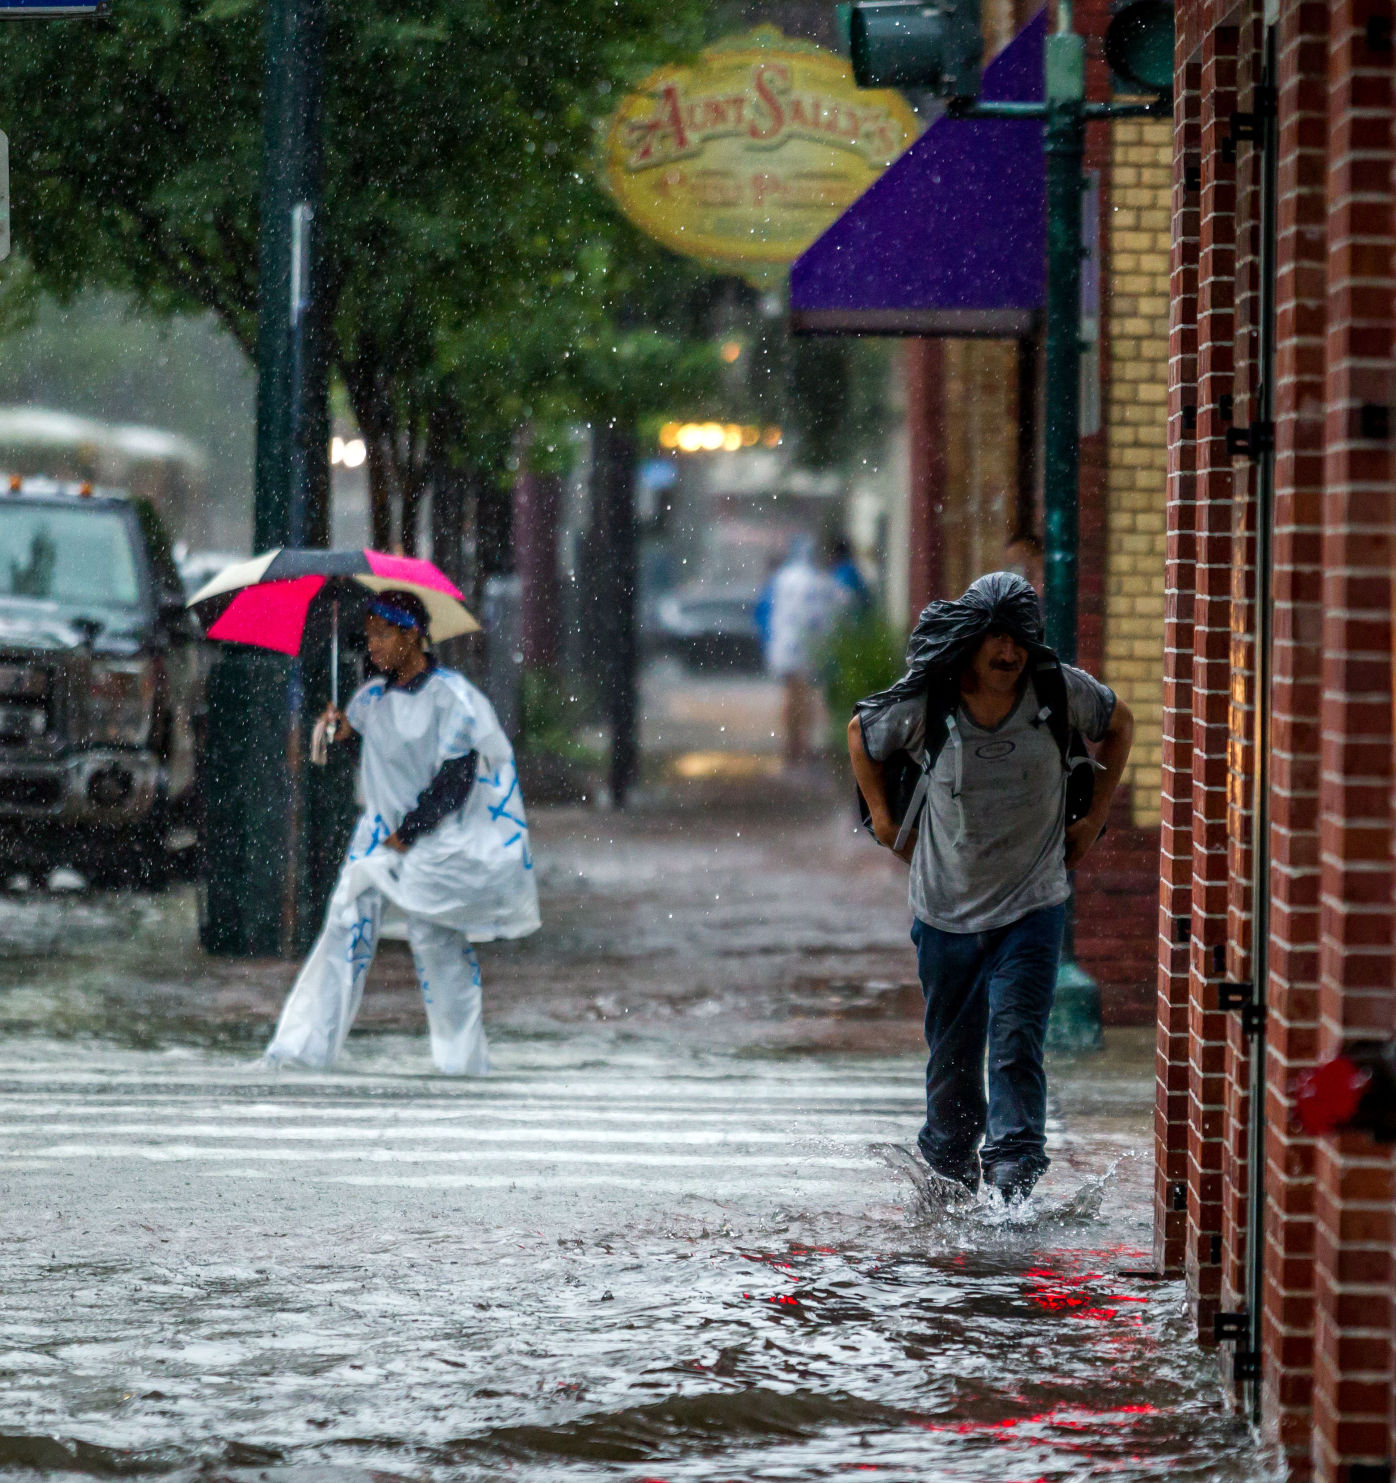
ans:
x=743 y=159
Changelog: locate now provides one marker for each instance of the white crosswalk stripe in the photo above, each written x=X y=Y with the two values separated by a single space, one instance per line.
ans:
x=629 y=1128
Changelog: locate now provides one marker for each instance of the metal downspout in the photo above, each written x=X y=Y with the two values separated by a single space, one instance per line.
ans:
x=1264 y=640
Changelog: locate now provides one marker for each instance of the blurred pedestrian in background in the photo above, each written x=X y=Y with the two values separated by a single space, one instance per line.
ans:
x=442 y=835
x=847 y=573
x=807 y=600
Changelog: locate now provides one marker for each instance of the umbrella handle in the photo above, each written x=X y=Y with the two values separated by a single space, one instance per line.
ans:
x=334 y=656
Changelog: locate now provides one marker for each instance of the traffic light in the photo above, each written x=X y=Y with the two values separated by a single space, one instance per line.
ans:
x=1139 y=46
x=910 y=44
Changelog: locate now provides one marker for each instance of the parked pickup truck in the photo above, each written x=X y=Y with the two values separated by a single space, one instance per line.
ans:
x=101 y=686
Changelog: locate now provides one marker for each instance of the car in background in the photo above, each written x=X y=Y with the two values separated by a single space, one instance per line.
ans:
x=710 y=627
x=102 y=677
x=710 y=621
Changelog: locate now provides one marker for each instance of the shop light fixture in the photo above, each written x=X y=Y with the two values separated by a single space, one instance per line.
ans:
x=716 y=437
x=348 y=453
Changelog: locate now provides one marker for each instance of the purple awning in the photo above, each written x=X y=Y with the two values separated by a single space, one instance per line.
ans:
x=951 y=240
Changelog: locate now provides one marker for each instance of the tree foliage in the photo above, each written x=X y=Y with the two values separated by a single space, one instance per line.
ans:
x=475 y=276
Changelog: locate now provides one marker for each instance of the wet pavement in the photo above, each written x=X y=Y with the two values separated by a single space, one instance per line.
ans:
x=677 y=1234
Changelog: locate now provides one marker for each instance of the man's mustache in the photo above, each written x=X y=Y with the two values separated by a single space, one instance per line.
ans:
x=1009 y=665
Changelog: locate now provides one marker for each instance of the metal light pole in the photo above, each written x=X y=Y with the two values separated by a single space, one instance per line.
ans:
x=261 y=894
x=1076 y=1013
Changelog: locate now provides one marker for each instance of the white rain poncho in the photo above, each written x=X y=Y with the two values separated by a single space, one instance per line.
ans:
x=468 y=879
x=806 y=605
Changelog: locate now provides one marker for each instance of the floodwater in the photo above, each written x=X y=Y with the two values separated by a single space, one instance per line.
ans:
x=635 y=1262
x=676 y=1236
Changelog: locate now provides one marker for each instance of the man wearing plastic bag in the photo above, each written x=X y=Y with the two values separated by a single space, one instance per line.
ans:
x=989 y=725
x=442 y=834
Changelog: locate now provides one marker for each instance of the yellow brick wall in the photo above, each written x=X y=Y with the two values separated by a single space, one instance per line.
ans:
x=1136 y=411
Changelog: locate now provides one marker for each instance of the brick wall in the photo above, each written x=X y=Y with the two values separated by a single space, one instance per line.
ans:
x=1328 y=1331
x=1211 y=679
x=1136 y=417
x=1355 y=1226
x=1241 y=818
x=1174 y=936
x=1292 y=1029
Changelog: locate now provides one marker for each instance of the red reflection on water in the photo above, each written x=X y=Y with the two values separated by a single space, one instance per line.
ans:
x=766 y=1258
x=1061 y=1417
x=1059 y=1292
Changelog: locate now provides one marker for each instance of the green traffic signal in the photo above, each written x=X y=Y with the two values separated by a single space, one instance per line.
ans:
x=1139 y=45
x=912 y=44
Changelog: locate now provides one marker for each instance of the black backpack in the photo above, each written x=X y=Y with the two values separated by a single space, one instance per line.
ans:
x=902 y=773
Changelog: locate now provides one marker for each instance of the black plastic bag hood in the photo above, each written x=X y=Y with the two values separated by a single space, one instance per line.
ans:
x=947 y=632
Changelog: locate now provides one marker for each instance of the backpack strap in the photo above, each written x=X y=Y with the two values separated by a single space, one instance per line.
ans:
x=1049 y=683
x=938 y=727
x=913 y=809
x=958 y=786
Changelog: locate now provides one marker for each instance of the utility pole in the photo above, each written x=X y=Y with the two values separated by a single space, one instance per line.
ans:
x=267 y=849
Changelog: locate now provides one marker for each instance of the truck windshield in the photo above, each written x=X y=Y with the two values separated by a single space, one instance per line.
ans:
x=81 y=557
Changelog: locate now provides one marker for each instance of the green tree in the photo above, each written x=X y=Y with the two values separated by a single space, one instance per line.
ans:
x=462 y=225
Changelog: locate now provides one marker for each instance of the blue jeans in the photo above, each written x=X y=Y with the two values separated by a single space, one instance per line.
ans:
x=987 y=990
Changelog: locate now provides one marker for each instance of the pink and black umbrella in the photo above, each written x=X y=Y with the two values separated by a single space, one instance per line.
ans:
x=284 y=598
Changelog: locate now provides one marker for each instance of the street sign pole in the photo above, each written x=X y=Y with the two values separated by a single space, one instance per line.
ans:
x=267 y=862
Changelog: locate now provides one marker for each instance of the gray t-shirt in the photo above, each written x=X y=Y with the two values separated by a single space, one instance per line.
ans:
x=992 y=843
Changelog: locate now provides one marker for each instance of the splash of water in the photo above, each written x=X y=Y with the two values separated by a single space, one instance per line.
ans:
x=942 y=1200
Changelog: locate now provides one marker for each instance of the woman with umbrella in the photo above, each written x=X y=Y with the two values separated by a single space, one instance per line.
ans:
x=442 y=834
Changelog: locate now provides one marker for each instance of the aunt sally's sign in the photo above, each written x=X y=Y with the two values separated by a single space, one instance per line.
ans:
x=743 y=159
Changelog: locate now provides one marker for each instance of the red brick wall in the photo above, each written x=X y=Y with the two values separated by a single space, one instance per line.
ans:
x=1328 y=1332
x=925 y=429
x=1292 y=1029
x=1175 y=843
x=1355 y=1227
x=1211 y=681
x=1116 y=917
x=1242 y=709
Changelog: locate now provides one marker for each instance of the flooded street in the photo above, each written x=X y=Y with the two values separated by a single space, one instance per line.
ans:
x=667 y=1263
x=676 y=1235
